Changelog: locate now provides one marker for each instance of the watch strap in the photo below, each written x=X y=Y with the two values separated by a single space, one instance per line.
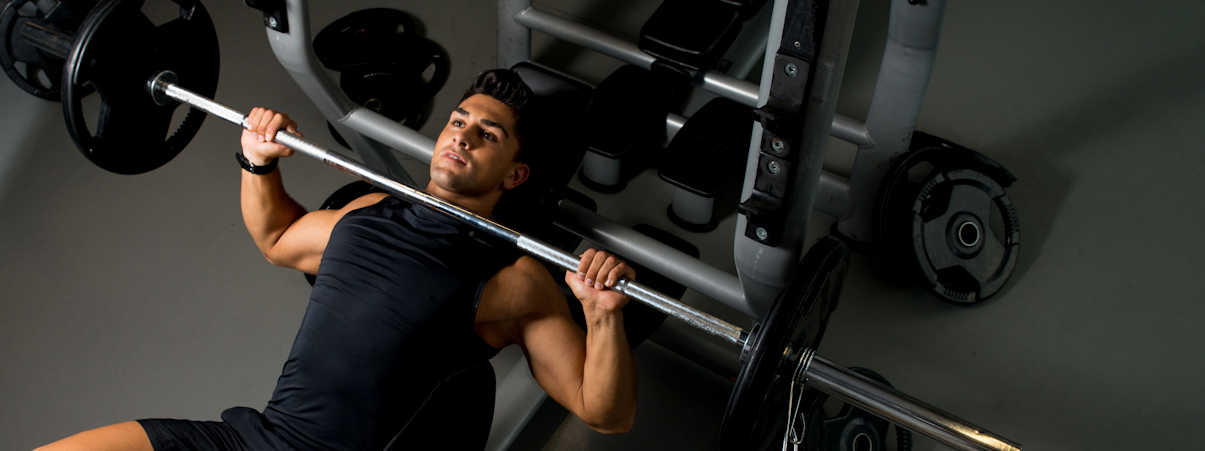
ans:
x=248 y=166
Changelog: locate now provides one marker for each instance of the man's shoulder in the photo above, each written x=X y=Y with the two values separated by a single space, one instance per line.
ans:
x=522 y=288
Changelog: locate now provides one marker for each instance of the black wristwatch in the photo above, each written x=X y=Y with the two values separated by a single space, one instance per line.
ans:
x=252 y=168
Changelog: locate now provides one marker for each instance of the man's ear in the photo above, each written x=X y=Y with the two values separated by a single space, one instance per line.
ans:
x=518 y=174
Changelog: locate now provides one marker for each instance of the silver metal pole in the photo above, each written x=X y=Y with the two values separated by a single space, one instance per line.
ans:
x=711 y=324
x=901 y=409
x=584 y=36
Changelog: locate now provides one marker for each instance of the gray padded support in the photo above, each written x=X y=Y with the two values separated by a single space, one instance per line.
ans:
x=912 y=38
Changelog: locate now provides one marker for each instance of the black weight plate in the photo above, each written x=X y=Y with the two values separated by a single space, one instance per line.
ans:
x=403 y=97
x=755 y=418
x=957 y=251
x=363 y=37
x=41 y=72
x=117 y=50
x=930 y=155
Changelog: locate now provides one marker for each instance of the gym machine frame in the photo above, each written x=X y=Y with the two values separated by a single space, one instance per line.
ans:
x=288 y=34
x=907 y=62
x=813 y=369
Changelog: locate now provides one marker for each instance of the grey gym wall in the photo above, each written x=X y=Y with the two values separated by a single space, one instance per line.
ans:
x=129 y=297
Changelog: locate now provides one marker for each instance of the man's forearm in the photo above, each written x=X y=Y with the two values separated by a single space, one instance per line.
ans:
x=267 y=208
x=609 y=380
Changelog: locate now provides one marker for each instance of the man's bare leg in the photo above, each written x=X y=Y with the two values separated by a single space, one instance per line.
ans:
x=127 y=436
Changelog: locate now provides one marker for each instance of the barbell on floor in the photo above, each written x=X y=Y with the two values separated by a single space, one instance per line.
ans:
x=776 y=355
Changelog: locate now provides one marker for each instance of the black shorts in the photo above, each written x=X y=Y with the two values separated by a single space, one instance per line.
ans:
x=241 y=428
x=185 y=435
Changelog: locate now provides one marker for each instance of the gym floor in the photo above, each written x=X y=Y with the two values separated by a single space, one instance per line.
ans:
x=142 y=296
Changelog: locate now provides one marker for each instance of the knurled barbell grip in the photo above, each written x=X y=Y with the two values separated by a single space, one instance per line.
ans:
x=162 y=85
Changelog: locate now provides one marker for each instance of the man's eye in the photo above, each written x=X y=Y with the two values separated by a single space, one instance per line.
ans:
x=490 y=137
x=457 y=123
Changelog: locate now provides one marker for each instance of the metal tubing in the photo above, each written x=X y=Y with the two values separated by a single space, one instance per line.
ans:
x=514 y=40
x=665 y=304
x=655 y=255
x=901 y=409
x=584 y=36
x=739 y=90
x=849 y=130
x=390 y=133
x=673 y=123
x=735 y=89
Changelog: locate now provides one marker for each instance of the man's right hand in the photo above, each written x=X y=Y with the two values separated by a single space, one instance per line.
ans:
x=257 y=142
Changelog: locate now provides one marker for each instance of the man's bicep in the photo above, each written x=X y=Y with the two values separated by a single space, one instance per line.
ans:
x=301 y=245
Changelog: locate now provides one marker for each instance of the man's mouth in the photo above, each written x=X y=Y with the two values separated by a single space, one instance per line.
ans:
x=455 y=157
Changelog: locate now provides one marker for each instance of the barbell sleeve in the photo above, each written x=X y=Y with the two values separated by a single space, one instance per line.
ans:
x=901 y=409
x=162 y=85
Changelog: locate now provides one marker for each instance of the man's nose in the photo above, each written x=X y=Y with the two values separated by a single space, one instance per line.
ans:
x=462 y=138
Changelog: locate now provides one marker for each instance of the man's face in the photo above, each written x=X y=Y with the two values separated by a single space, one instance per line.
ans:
x=475 y=152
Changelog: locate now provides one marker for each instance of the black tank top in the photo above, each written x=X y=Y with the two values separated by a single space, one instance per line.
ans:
x=390 y=315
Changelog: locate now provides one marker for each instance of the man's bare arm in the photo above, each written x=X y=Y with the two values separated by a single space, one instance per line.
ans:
x=589 y=373
x=282 y=230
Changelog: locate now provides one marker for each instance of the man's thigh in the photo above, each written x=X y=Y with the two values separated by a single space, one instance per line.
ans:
x=121 y=436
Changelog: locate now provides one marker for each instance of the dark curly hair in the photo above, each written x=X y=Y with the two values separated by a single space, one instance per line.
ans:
x=507 y=87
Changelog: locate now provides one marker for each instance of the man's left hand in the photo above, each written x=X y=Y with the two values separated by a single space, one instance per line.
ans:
x=597 y=272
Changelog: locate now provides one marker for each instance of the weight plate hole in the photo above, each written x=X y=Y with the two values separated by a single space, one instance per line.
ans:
x=969 y=234
x=862 y=442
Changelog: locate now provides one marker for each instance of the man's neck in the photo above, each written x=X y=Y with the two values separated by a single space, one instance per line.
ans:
x=481 y=205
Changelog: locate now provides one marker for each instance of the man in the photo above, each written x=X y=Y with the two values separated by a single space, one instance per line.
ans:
x=405 y=297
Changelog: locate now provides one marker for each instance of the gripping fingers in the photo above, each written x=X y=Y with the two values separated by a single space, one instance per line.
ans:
x=595 y=274
x=619 y=271
x=584 y=264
